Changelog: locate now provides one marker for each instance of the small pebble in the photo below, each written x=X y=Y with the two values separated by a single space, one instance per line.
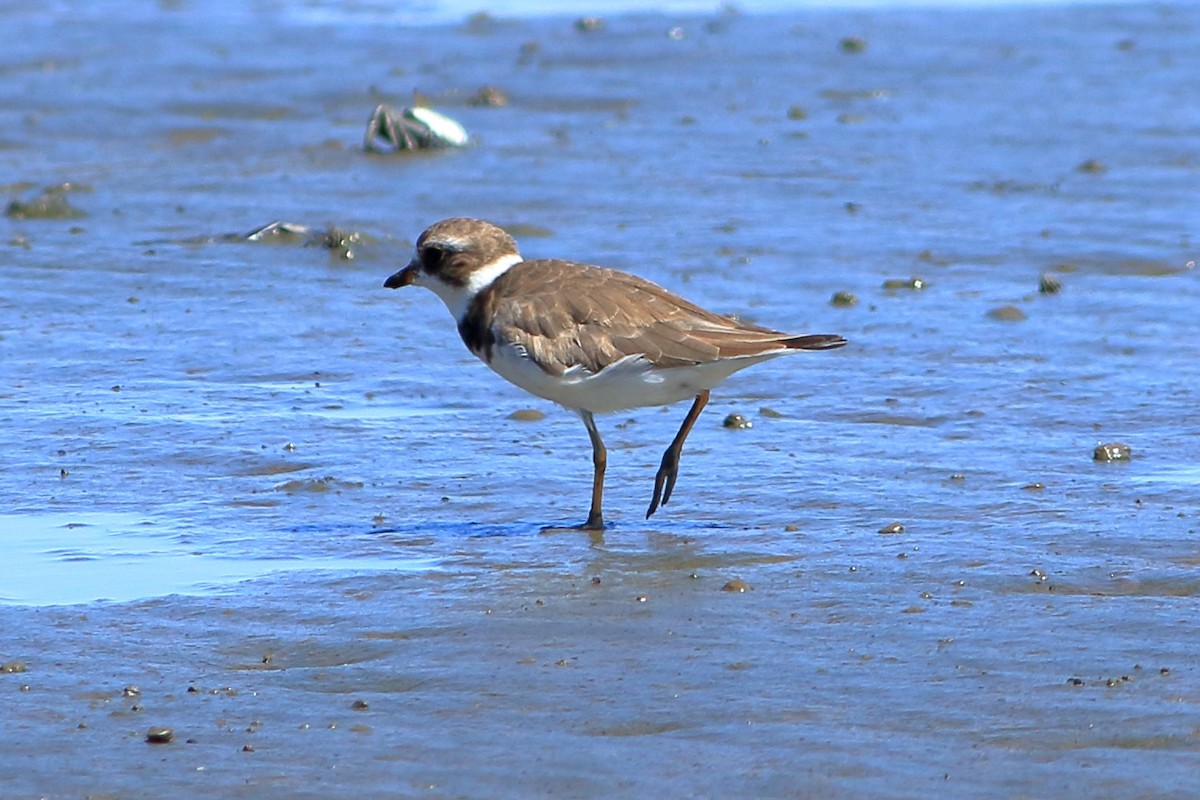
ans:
x=158 y=735
x=1075 y=681
x=1048 y=284
x=1113 y=451
x=527 y=415
x=892 y=284
x=11 y=667
x=1036 y=486
x=737 y=422
x=488 y=96
x=736 y=585
x=852 y=44
x=1092 y=166
x=843 y=299
x=589 y=24
x=895 y=527
x=1007 y=314
x=360 y=705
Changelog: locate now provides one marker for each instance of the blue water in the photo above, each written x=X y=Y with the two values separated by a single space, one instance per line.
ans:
x=296 y=488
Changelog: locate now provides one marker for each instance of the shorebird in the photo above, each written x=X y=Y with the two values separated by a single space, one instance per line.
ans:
x=591 y=339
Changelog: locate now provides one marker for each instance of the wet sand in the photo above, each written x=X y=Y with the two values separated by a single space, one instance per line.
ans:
x=251 y=496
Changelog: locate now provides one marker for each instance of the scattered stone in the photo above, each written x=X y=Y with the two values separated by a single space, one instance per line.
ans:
x=481 y=23
x=159 y=735
x=737 y=422
x=1075 y=681
x=894 y=528
x=527 y=415
x=843 y=299
x=589 y=24
x=527 y=51
x=894 y=284
x=50 y=204
x=796 y=113
x=488 y=97
x=1092 y=167
x=341 y=243
x=131 y=691
x=736 y=585
x=1036 y=486
x=1007 y=314
x=852 y=44
x=791 y=527
x=1048 y=284
x=1113 y=451
x=359 y=705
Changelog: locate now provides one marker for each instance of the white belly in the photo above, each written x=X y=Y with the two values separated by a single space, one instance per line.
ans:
x=629 y=383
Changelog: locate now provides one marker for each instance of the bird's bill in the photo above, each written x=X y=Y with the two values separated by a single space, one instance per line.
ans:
x=404 y=277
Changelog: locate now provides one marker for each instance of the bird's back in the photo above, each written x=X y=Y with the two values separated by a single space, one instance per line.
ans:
x=564 y=314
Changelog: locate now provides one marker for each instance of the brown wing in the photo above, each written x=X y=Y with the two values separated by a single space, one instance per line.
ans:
x=566 y=314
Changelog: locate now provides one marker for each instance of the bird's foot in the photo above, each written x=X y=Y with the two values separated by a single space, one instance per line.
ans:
x=664 y=482
x=594 y=525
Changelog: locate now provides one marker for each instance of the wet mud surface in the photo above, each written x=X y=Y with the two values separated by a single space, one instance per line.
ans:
x=252 y=497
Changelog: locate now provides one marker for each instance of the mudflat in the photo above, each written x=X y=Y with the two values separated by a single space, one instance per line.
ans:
x=269 y=530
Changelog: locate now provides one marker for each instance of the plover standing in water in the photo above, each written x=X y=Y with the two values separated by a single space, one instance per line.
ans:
x=589 y=338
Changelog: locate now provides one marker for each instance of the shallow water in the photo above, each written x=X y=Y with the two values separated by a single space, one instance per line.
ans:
x=249 y=469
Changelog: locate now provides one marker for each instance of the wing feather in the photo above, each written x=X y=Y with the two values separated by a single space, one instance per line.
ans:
x=605 y=315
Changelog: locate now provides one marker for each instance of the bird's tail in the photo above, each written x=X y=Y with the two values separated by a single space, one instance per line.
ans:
x=814 y=341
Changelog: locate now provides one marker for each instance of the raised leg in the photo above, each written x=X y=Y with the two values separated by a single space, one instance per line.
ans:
x=668 y=471
x=595 y=520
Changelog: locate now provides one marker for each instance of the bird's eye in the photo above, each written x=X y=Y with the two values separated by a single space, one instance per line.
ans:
x=431 y=258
